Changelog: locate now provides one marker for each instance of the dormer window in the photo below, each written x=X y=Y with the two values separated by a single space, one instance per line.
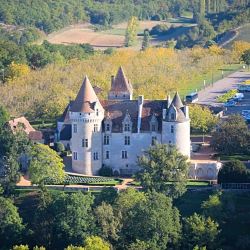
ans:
x=153 y=128
x=153 y=123
x=126 y=127
x=107 y=127
x=172 y=116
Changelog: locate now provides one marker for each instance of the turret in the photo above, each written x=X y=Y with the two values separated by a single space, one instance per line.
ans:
x=86 y=115
x=121 y=88
x=176 y=126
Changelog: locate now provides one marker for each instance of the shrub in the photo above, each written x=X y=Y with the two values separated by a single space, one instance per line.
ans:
x=59 y=147
x=106 y=171
x=230 y=94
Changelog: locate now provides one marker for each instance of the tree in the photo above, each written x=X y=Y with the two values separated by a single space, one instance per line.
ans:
x=233 y=172
x=45 y=163
x=16 y=70
x=154 y=221
x=108 y=222
x=96 y=243
x=71 y=247
x=11 y=226
x=232 y=136
x=4 y=116
x=200 y=231
x=139 y=245
x=246 y=57
x=202 y=119
x=163 y=169
x=145 y=41
x=213 y=207
x=73 y=219
x=131 y=32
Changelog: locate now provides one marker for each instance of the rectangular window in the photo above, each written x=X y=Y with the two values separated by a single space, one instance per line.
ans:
x=75 y=156
x=124 y=154
x=75 y=128
x=127 y=127
x=106 y=139
x=95 y=156
x=153 y=127
x=107 y=155
x=107 y=127
x=172 y=129
x=127 y=140
x=154 y=140
x=97 y=112
x=95 y=127
x=85 y=143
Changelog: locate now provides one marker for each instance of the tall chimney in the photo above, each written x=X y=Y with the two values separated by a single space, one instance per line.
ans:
x=112 y=80
x=140 y=105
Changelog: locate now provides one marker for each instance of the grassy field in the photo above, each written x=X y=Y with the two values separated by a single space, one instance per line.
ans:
x=85 y=33
x=210 y=78
x=243 y=35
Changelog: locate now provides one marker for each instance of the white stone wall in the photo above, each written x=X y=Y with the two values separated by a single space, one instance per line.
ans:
x=180 y=136
x=139 y=142
x=85 y=163
x=204 y=170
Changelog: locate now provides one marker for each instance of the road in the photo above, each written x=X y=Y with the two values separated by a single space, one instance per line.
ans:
x=208 y=95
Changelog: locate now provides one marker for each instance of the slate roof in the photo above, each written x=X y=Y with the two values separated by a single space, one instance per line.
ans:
x=86 y=98
x=116 y=111
x=121 y=83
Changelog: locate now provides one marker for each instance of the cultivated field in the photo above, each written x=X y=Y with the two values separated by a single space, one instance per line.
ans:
x=114 y=38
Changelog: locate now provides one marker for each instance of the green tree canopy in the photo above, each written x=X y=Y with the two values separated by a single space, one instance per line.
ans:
x=233 y=172
x=232 y=136
x=200 y=231
x=246 y=57
x=202 y=119
x=154 y=221
x=45 y=163
x=163 y=169
x=11 y=226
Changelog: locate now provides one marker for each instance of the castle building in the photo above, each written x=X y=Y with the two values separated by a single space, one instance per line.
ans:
x=116 y=131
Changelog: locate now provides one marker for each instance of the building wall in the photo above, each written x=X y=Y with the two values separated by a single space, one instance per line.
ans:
x=180 y=136
x=139 y=142
x=85 y=163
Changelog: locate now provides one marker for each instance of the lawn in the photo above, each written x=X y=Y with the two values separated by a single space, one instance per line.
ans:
x=210 y=78
x=43 y=124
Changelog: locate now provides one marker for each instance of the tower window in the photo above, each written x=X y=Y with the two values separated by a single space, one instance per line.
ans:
x=127 y=127
x=107 y=155
x=153 y=127
x=107 y=127
x=95 y=156
x=95 y=127
x=172 y=129
x=75 y=156
x=85 y=143
x=106 y=139
x=124 y=154
x=75 y=128
x=154 y=140
x=127 y=140
x=97 y=112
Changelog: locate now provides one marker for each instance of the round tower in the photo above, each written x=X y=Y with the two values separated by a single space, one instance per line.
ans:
x=86 y=115
x=176 y=126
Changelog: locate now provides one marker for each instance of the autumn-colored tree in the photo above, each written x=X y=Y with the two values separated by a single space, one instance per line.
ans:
x=238 y=48
x=16 y=70
x=131 y=32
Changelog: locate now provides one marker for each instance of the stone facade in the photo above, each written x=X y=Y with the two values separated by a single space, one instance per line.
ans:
x=116 y=131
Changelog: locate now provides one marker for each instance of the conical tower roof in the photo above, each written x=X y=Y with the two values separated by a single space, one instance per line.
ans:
x=85 y=99
x=121 y=82
x=177 y=101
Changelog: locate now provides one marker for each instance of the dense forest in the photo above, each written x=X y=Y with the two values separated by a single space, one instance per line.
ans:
x=49 y=15
x=153 y=73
